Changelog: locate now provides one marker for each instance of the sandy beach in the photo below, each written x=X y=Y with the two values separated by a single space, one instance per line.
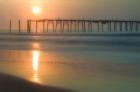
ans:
x=10 y=83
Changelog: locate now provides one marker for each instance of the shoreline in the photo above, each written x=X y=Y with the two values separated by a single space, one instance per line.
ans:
x=9 y=83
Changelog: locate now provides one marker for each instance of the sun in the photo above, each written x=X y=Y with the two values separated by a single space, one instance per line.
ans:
x=36 y=10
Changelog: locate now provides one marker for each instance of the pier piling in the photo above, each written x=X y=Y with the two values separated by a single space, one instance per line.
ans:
x=10 y=26
x=19 y=26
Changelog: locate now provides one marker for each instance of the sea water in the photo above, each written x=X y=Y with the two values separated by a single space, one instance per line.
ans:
x=80 y=63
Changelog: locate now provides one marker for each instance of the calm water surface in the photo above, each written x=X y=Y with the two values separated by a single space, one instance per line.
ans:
x=84 y=64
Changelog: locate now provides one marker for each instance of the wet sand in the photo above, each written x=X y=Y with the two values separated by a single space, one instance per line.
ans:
x=10 y=83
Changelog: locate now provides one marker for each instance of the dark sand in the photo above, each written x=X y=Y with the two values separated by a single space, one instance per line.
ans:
x=10 y=83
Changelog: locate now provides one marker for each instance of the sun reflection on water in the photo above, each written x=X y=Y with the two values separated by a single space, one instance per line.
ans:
x=36 y=45
x=35 y=63
x=35 y=60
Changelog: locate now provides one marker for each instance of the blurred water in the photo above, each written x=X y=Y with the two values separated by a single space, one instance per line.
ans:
x=81 y=63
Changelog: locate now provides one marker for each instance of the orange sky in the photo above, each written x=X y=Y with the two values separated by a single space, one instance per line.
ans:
x=22 y=9
x=70 y=8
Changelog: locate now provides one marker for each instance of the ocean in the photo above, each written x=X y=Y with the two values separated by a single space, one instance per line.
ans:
x=99 y=63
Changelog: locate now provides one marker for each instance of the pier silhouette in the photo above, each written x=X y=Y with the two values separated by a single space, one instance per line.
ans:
x=63 y=25
x=79 y=26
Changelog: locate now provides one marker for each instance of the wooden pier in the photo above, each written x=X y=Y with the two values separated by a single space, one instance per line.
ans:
x=79 y=26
